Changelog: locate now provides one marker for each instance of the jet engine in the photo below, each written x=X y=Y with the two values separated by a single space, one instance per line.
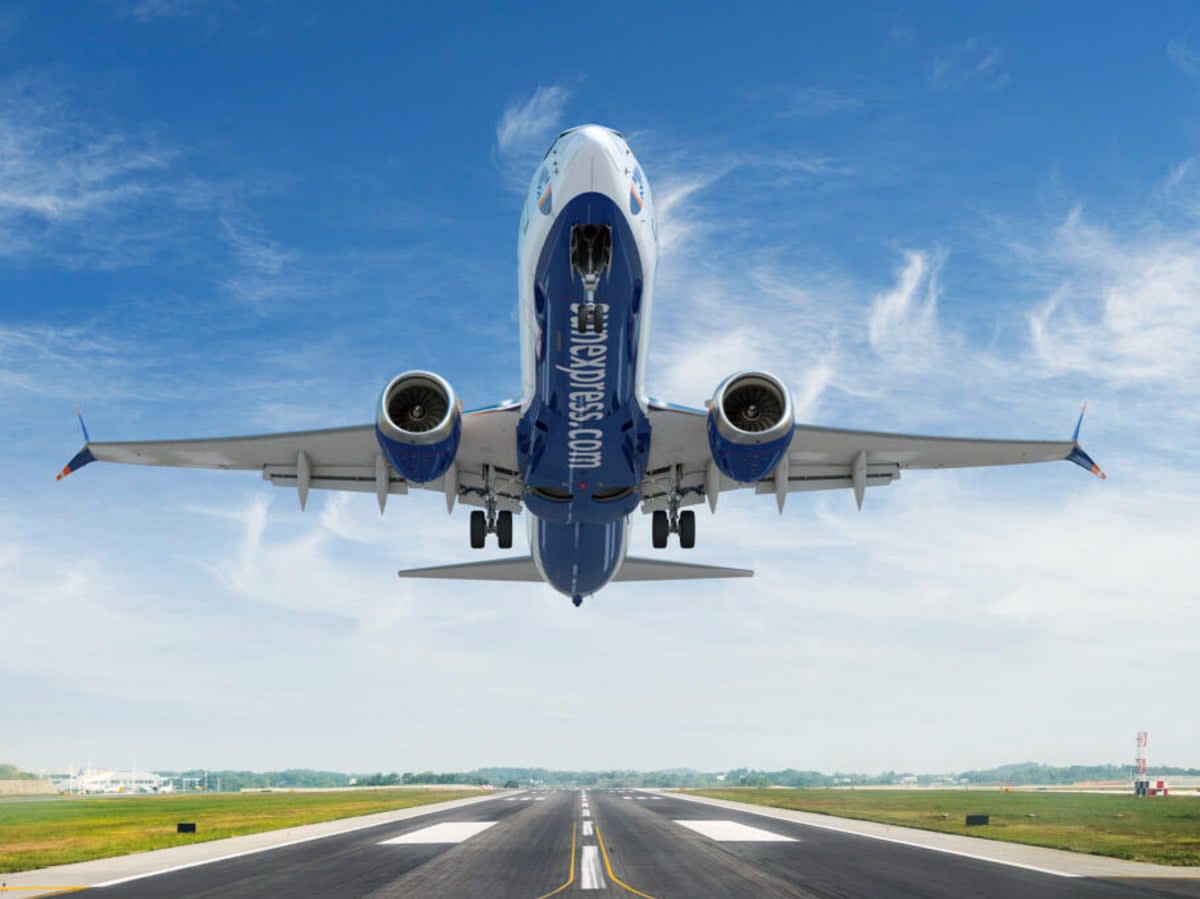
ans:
x=750 y=425
x=418 y=423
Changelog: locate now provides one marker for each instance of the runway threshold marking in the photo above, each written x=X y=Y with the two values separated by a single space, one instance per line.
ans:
x=733 y=832
x=446 y=832
x=608 y=867
x=571 y=874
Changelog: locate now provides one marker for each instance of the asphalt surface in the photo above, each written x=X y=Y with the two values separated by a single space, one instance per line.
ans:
x=539 y=844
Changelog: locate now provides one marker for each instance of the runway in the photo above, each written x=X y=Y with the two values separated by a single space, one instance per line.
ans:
x=629 y=843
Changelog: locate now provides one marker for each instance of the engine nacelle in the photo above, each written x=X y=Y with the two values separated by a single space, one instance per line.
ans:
x=418 y=423
x=750 y=425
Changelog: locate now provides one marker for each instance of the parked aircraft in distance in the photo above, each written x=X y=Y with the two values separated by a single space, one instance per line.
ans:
x=585 y=447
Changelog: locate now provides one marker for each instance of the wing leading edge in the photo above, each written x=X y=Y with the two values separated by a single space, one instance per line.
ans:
x=826 y=458
x=347 y=459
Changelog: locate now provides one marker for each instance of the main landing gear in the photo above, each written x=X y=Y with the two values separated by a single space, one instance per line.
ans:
x=501 y=525
x=491 y=520
x=662 y=527
x=591 y=255
x=668 y=521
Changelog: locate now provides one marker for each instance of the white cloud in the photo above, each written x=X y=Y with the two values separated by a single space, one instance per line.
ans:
x=903 y=324
x=71 y=188
x=1183 y=58
x=265 y=270
x=531 y=121
x=814 y=102
x=526 y=128
x=1122 y=306
x=970 y=62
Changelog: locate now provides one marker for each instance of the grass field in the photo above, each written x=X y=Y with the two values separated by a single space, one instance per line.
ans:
x=1163 y=831
x=36 y=832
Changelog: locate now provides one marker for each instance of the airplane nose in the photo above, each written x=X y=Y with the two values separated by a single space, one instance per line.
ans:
x=595 y=153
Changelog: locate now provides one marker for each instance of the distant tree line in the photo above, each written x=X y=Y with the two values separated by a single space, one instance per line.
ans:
x=12 y=772
x=1017 y=774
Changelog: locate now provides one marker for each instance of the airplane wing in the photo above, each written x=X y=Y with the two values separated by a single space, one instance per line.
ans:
x=823 y=458
x=338 y=459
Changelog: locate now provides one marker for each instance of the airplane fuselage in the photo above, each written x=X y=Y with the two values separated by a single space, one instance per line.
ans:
x=588 y=233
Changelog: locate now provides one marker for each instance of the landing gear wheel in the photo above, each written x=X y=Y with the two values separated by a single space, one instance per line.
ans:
x=478 y=529
x=687 y=529
x=584 y=319
x=504 y=530
x=660 y=529
x=598 y=320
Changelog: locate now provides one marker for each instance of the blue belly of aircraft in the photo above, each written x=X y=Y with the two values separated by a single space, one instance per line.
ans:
x=584 y=441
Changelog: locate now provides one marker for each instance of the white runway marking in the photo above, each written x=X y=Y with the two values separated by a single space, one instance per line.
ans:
x=590 y=877
x=586 y=813
x=446 y=832
x=732 y=832
x=587 y=828
x=539 y=798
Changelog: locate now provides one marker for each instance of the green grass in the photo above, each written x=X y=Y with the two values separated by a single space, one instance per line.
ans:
x=42 y=831
x=1163 y=831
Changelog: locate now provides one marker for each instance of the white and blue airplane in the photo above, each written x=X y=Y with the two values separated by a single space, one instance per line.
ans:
x=585 y=447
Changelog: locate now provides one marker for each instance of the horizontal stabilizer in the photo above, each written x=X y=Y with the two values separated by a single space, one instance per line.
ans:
x=634 y=569
x=523 y=569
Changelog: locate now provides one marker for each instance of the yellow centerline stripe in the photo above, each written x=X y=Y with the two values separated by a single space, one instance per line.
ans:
x=571 y=876
x=608 y=867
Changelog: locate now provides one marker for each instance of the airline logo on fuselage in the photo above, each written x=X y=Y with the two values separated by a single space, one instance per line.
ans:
x=637 y=192
x=543 y=194
x=587 y=372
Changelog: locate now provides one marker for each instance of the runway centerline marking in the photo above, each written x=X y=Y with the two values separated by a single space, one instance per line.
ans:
x=446 y=832
x=587 y=828
x=590 y=877
x=733 y=832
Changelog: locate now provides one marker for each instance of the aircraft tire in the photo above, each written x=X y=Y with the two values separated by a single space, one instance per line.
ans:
x=504 y=530
x=660 y=529
x=687 y=529
x=478 y=529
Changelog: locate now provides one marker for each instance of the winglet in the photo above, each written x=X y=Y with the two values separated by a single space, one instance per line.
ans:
x=1079 y=423
x=81 y=458
x=82 y=425
x=84 y=456
x=1077 y=454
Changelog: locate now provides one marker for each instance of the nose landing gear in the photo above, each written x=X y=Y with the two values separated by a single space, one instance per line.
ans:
x=591 y=256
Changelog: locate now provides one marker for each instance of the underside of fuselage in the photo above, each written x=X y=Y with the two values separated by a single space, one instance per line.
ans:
x=584 y=438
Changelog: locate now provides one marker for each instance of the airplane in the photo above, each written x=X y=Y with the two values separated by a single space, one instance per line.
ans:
x=584 y=447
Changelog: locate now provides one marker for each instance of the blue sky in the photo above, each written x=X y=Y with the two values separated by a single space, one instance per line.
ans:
x=232 y=217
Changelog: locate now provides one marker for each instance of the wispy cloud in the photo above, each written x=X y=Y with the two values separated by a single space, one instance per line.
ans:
x=1123 y=307
x=72 y=188
x=814 y=102
x=1184 y=58
x=265 y=270
x=902 y=325
x=526 y=128
x=971 y=61
x=143 y=11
